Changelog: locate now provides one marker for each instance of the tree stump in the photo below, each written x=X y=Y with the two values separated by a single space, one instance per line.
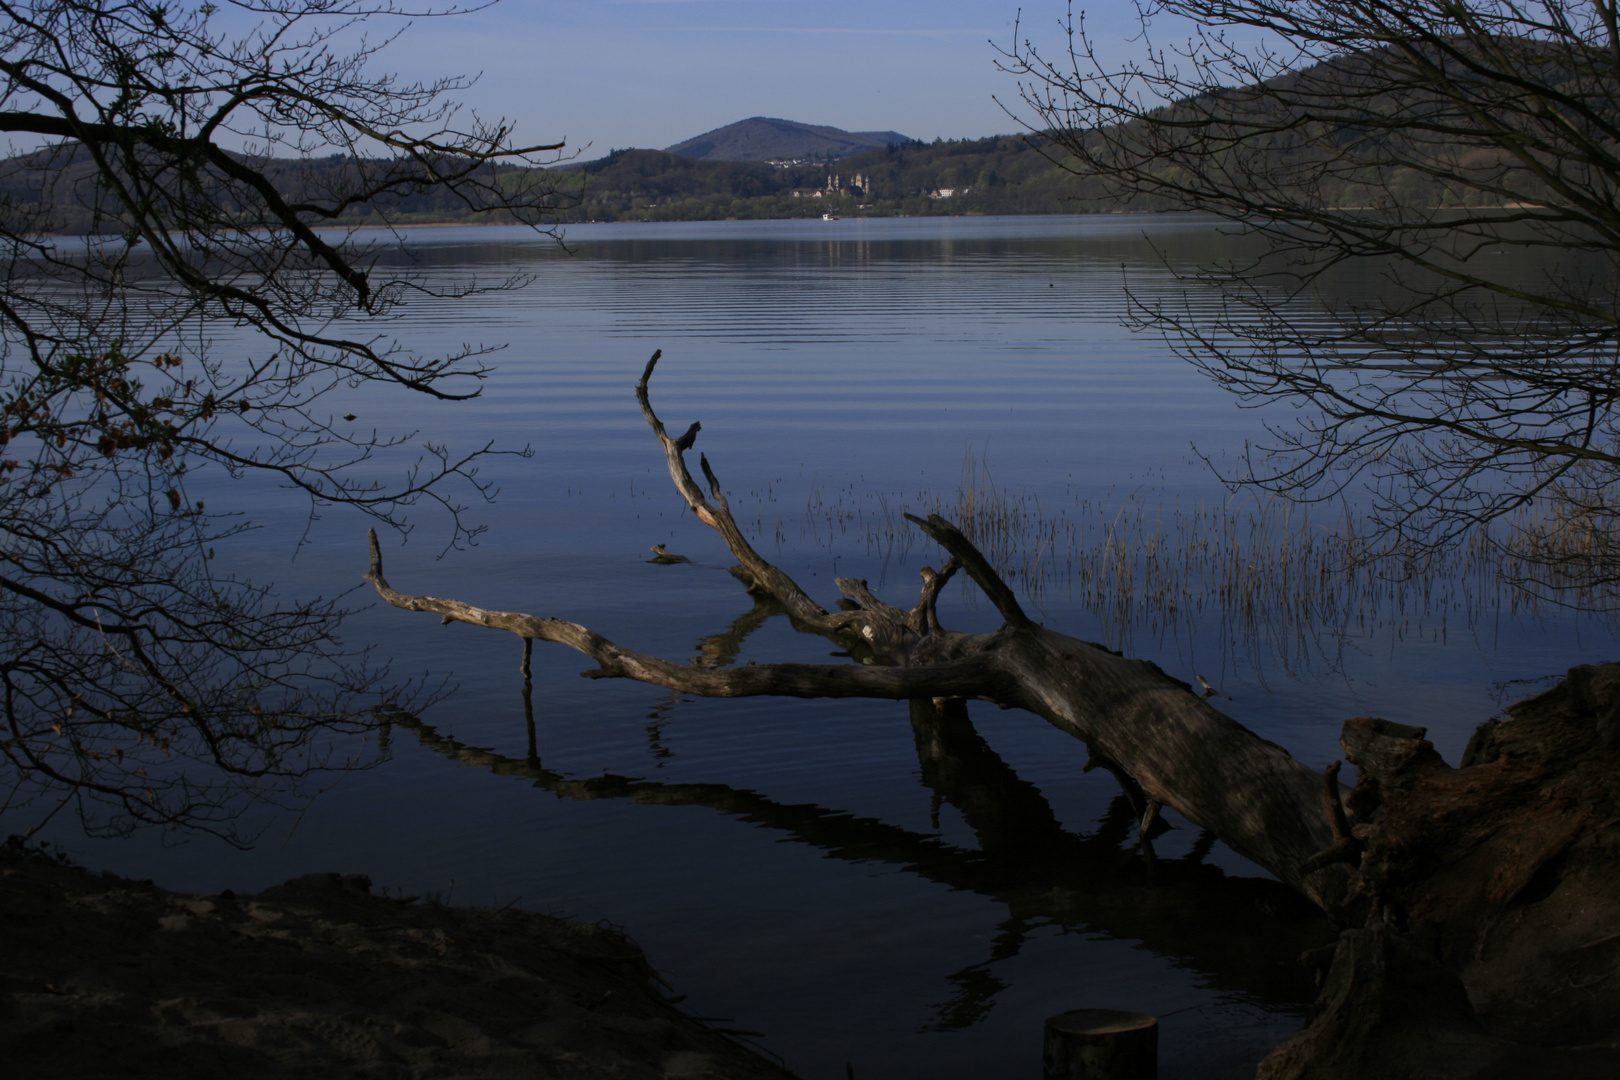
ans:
x=1102 y=1044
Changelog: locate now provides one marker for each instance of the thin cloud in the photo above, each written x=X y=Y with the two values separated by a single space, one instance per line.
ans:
x=811 y=29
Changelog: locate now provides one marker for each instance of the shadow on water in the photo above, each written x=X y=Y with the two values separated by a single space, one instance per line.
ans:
x=1241 y=935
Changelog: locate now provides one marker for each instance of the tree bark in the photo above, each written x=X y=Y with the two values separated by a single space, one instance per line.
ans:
x=1493 y=940
x=1101 y=1044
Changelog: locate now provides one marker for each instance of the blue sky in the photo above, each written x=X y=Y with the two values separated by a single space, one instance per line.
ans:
x=649 y=73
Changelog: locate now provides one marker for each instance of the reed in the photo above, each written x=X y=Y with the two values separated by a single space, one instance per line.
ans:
x=1268 y=578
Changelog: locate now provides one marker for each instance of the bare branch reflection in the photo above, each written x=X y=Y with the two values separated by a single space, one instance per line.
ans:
x=1240 y=934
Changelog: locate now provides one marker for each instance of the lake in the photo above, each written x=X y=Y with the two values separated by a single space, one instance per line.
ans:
x=799 y=868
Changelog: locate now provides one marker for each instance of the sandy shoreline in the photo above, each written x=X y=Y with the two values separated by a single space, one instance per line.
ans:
x=318 y=977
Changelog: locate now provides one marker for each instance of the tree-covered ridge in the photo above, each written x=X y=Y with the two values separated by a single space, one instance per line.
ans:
x=766 y=138
x=1334 y=132
x=1002 y=174
x=61 y=189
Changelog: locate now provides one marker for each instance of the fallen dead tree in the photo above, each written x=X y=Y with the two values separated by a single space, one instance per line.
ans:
x=1461 y=882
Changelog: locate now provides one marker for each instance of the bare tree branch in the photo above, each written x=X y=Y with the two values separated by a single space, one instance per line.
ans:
x=972 y=676
x=141 y=683
x=1461 y=160
x=951 y=539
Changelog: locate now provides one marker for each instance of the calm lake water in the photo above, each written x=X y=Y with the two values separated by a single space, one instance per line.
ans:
x=795 y=867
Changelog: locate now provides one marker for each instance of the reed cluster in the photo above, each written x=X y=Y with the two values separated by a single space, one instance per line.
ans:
x=1285 y=585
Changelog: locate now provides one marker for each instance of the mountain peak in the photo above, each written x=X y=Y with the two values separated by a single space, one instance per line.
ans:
x=766 y=138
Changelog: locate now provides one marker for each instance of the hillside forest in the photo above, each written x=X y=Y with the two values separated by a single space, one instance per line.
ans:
x=1002 y=174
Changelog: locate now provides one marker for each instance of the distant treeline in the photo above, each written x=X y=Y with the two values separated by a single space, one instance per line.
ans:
x=59 y=190
x=1022 y=174
x=1004 y=174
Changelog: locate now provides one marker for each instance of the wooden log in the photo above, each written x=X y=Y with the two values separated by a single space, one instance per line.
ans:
x=1101 y=1044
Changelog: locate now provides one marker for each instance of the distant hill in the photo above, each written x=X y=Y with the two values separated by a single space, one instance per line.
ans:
x=1005 y=174
x=763 y=138
x=725 y=174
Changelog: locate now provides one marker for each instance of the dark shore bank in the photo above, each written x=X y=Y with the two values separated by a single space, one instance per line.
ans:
x=101 y=976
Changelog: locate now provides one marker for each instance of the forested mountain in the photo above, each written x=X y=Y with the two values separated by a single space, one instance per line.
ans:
x=765 y=138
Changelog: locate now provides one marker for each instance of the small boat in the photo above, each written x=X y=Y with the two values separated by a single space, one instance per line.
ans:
x=829 y=217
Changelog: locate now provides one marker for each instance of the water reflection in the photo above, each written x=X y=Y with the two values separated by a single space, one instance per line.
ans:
x=832 y=362
x=1241 y=934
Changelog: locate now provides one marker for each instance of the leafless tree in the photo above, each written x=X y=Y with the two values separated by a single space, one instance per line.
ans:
x=139 y=683
x=1432 y=192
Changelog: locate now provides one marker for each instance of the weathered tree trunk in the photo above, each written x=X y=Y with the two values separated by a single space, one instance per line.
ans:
x=1505 y=832
x=1101 y=1044
x=1492 y=946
